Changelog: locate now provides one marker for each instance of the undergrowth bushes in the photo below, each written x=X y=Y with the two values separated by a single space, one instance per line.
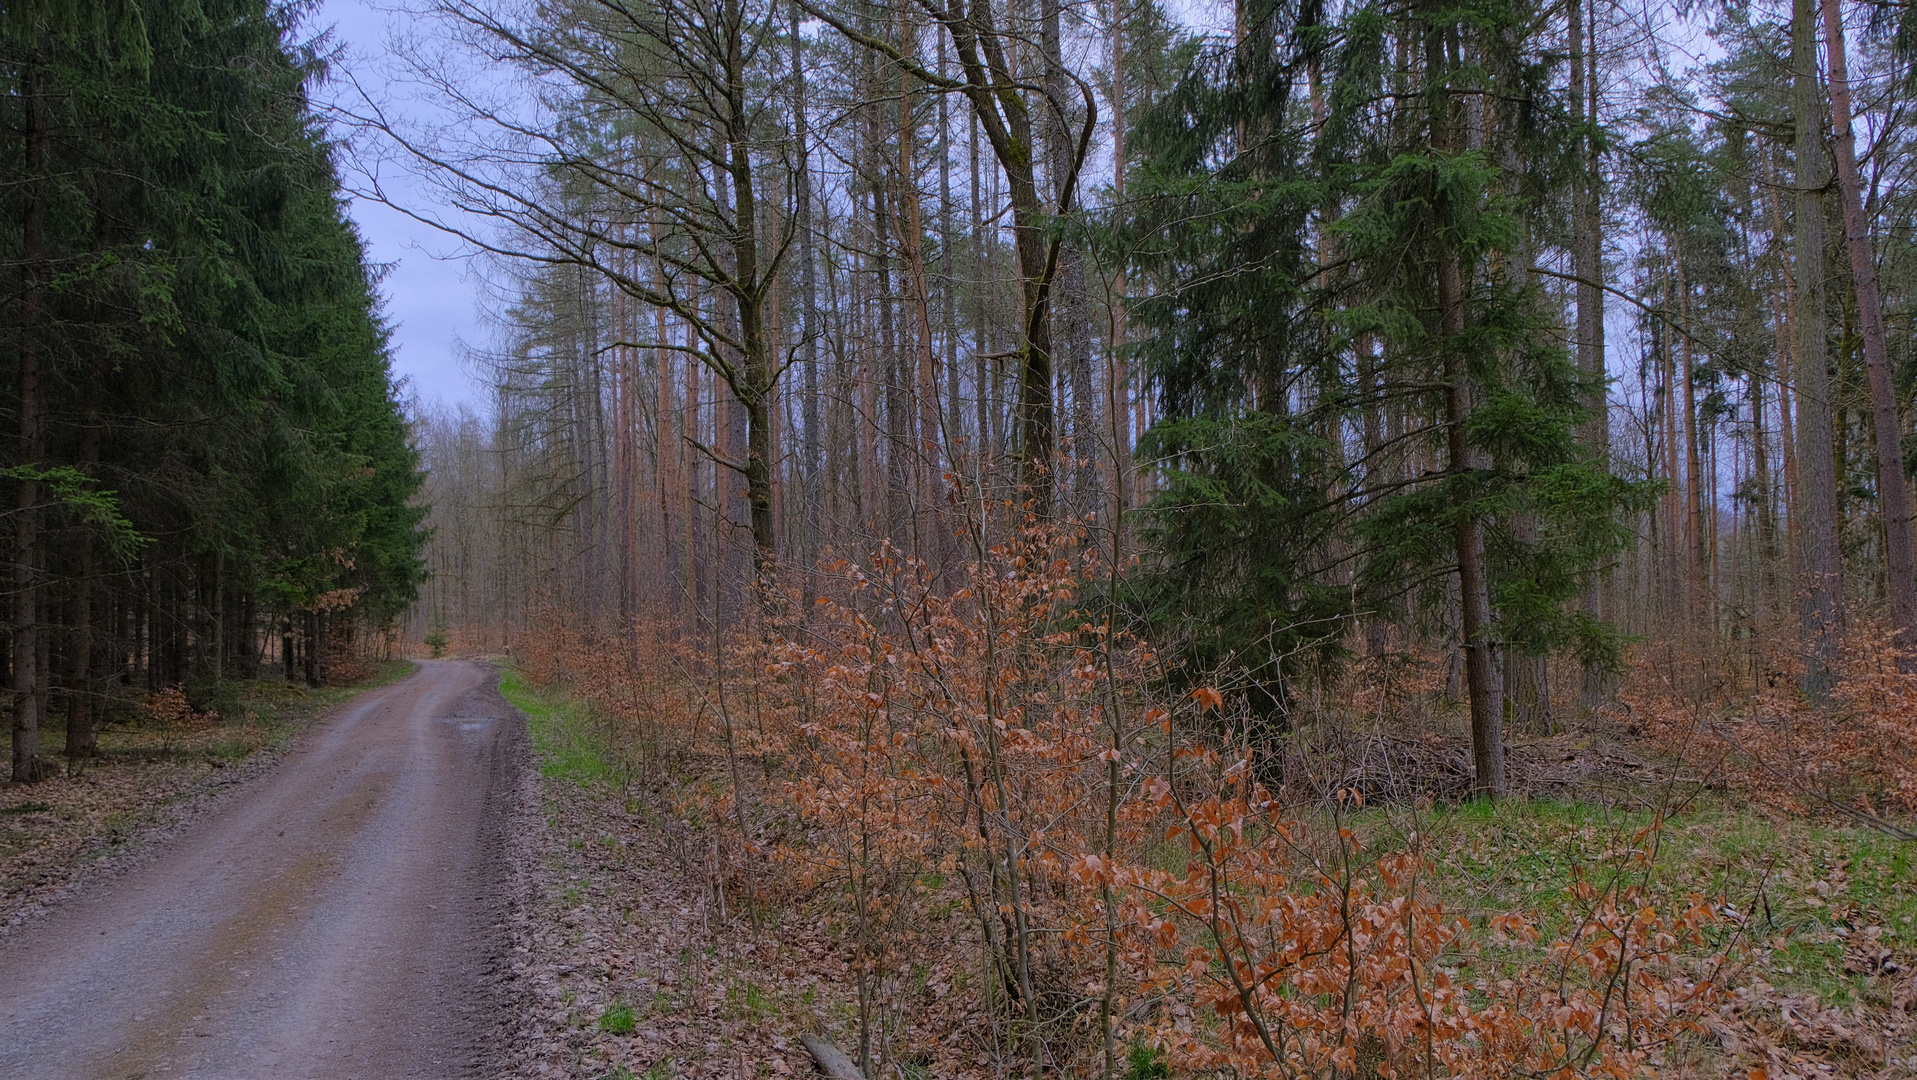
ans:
x=1854 y=754
x=977 y=777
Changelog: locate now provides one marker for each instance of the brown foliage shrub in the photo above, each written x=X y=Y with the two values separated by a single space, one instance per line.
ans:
x=167 y=708
x=1853 y=753
x=1346 y=966
x=977 y=770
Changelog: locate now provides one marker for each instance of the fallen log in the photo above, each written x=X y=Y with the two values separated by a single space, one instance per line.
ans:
x=832 y=1061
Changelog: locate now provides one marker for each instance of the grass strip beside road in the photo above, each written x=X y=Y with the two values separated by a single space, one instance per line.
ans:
x=569 y=746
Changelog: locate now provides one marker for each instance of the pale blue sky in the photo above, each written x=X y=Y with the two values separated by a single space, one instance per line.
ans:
x=431 y=298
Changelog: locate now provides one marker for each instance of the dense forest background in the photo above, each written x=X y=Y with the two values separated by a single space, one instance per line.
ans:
x=1504 y=333
x=1315 y=547
x=208 y=467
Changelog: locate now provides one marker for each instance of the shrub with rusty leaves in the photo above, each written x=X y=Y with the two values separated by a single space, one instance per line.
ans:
x=973 y=775
x=1852 y=754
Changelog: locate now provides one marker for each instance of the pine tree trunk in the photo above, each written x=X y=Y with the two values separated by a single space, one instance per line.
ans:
x=81 y=742
x=88 y=594
x=929 y=535
x=315 y=626
x=984 y=374
x=809 y=328
x=1823 y=585
x=1124 y=476
x=27 y=675
x=1484 y=683
x=1697 y=533
x=1892 y=494
x=249 y=638
x=1588 y=265
x=953 y=422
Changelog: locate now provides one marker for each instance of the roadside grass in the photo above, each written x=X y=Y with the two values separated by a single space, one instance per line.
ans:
x=618 y=1020
x=569 y=745
x=623 y=965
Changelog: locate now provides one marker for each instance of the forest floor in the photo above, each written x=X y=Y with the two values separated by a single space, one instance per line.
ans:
x=635 y=963
x=1819 y=918
x=630 y=963
x=148 y=781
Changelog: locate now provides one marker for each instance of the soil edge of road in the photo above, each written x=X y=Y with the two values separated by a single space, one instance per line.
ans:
x=516 y=824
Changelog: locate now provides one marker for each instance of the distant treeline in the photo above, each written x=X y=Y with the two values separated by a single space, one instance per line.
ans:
x=1489 y=330
x=205 y=464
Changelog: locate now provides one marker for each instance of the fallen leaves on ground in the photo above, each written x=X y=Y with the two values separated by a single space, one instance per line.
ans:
x=627 y=966
x=147 y=782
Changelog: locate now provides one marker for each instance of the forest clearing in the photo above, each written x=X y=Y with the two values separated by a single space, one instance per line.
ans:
x=1349 y=540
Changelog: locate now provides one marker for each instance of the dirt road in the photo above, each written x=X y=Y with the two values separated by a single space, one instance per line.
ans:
x=338 y=920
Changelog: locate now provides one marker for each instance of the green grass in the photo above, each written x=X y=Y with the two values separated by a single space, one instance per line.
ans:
x=1803 y=888
x=563 y=735
x=747 y=1002
x=618 y=1020
x=1144 y=1063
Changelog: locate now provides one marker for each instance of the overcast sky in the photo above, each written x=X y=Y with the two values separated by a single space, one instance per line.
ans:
x=431 y=299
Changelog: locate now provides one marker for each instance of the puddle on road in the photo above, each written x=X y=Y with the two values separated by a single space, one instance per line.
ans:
x=471 y=723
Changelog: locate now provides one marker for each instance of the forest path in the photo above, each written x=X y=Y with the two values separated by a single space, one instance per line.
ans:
x=341 y=918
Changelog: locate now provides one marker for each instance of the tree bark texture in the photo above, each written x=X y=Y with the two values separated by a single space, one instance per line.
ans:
x=1823 y=585
x=1893 y=496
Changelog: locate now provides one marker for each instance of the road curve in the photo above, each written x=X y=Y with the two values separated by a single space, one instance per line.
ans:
x=338 y=919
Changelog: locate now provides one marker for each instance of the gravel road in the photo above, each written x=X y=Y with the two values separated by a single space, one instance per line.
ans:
x=340 y=919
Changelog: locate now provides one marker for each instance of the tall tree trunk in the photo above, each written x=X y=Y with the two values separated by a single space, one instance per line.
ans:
x=809 y=328
x=27 y=630
x=927 y=458
x=999 y=101
x=1527 y=674
x=1073 y=344
x=1823 y=610
x=1697 y=530
x=315 y=626
x=81 y=742
x=984 y=370
x=891 y=367
x=1483 y=680
x=1892 y=495
x=953 y=422
x=248 y=636
x=1765 y=486
x=1119 y=382
x=755 y=382
x=1676 y=587
x=1588 y=264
